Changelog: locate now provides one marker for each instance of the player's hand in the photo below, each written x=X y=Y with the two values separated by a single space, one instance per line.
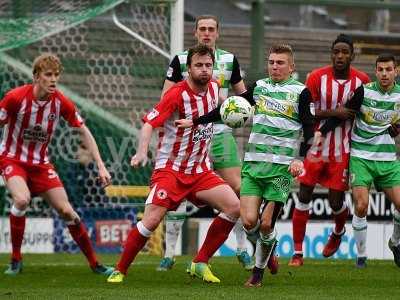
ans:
x=139 y=159
x=296 y=167
x=394 y=130
x=104 y=176
x=183 y=123
x=344 y=113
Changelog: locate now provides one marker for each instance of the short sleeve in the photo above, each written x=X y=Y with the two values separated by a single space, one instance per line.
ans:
x=6 y=107
x=174 y=72
x=236 y=77
x=312 y=83
x=163 y=110
x=70 y=113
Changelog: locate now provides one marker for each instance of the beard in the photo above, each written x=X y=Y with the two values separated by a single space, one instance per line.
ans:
x=201 y=80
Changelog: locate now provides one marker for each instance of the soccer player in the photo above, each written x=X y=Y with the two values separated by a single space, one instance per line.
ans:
x=182 y=168
x=331 y=87
x=30 y=114
x=224 y=154
x=373 y=151
x=282 y=109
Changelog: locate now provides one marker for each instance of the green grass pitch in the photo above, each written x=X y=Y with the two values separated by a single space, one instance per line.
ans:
x=66 y=276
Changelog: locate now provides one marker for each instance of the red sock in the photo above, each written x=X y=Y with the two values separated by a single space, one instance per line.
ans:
x=340 y=220
x=134 y=243
x=17 y=225
x=81 y=237
x=216 y=236
x=299 y=223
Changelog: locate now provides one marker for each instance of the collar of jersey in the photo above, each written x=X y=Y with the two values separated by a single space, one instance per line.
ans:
x=283 y=82
x=378 y=87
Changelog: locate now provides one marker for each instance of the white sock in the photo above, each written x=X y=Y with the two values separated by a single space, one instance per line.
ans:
x=396 y=227
x=173 y=225
x=240 y=236
x=17 y=212
x=360 y=235
x=264 y=247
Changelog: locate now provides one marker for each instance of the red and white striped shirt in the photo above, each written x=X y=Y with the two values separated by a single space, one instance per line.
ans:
x=29 y=124
x=330 y=93
x=183 y=150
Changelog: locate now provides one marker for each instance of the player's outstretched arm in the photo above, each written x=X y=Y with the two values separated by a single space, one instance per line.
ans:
x=354 y=105
x=90 y=143
x=140 y=158
x=214 y=115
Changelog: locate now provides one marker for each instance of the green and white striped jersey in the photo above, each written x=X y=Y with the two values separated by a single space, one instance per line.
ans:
x=275 y=134
x=370 y=138
x=222 y=72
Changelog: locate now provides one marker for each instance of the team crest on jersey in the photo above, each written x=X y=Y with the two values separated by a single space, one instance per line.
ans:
x=8 y=170
x=162 y=194
x=52 y=117
x=397 y=106
x=292 y=96
x=153 y=114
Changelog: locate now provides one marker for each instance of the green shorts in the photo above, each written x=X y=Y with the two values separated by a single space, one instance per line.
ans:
x=269 y=181
x=364 y=172
x=224 y=152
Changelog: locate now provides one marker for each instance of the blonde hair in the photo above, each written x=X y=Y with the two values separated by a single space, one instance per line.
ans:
x=46 y=61
x=282 y=48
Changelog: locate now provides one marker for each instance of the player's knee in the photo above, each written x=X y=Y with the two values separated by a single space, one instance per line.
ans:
x=305 y=194
x=151 y=222
x=361 y=209
x=249 y=223
x=234 y=210
x=305 y=200
x=236 y=189
x=69 y=215
x=21 y=200
x=336 y=205
x=265 y=227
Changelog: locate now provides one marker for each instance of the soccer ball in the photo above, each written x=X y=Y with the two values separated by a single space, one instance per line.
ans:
x=234 y=111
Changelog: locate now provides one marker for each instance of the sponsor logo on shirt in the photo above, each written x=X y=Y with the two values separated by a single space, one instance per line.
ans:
x=153 y=114
x=201 y=134
x=36 y=134
x=268 y=104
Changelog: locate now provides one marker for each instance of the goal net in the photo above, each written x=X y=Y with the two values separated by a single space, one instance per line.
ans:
x=115 y=54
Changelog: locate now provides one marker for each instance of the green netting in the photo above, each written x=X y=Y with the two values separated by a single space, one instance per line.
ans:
x=51 y=19
x=113 y=78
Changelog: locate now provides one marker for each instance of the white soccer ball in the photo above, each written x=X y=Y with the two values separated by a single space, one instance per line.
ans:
x=234 y=111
